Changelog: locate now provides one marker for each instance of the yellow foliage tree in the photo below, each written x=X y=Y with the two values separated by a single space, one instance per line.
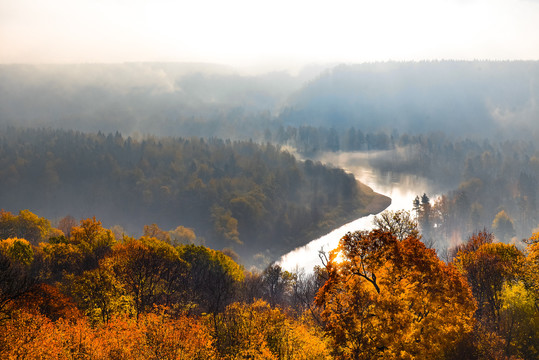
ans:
x=258 y=331
x=26 y=225
x=487 y=268
x=532 y=264
x=18 y=249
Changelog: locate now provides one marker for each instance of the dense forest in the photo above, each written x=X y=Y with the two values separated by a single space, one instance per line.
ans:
x=79 y=292
x=254 y=199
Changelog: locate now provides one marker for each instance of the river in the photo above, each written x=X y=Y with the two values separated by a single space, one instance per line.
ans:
x=402 y=189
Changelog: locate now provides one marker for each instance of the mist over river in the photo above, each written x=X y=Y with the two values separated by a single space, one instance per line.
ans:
x=401 y=188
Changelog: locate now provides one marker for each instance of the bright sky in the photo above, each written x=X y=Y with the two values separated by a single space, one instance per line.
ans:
x=265 y=32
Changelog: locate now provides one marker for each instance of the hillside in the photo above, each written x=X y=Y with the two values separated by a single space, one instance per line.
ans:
x=254 y=199
x=463 y=98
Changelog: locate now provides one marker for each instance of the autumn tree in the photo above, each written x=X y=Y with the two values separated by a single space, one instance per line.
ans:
x=519 y=312
x=66 y=224
x=60 y=257
x=93 y=239
x=474 y=242
x=214 y=278
x=532 y=267
x=507 y=320
x=388 y=298
x=519 y=321
x=29 y=336
x=488 y=266
x=182 y=235
x=305 y=286
x=154 y=231
x=87 y=244
x=99 y=293
x=17 y=249
x=258 y=331
x=251 y=287
x=181 y=337
x=225 y=225
x=400 y=223
x=25 y=225
x=49 y=301
x=151 y=271
x=15 y=281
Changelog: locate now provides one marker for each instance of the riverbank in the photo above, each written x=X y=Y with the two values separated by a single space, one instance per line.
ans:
x=378 y=203
x=306 y=256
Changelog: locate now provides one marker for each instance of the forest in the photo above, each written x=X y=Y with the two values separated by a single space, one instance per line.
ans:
x=79 y=292
x=144 y=206
x=255 y=200
x=469 y=126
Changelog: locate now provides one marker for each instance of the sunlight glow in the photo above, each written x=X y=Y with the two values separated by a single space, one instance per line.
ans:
x=243 y=33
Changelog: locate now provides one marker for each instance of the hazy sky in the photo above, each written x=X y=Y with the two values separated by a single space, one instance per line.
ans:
x=262 y=32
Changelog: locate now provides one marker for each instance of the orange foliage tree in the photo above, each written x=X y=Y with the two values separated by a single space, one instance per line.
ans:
x=387 y=298
x=28 y=335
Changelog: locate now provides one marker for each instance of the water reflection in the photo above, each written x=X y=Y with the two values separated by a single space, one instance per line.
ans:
x=401 y=188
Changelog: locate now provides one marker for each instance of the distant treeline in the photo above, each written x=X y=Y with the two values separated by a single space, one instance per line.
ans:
x=479 y=98
x=311 y=140
x=491 y=181
x=462 y=98
x=238 y=194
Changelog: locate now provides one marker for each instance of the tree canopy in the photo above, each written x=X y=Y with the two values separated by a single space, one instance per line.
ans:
x=389 y=298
